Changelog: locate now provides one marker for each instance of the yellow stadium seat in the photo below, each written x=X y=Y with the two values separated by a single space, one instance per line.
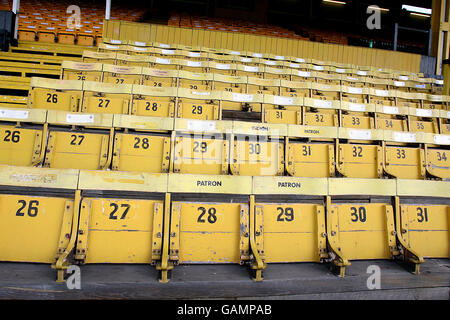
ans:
x=201 y=154
x=310 y=159
x=437 y=161
x=106 y=98
x=55 y=94
x=153 y=101
x=257 y=156
x=425 y=228
x=277 y=109
x=81 y=71
x=295 y=89
x=99 y=57
x=359 y=160
x=142 y=152
x=263 y=86
x=45 y=220
x=119 y=230
x=159 y=78
x=195 y=81
x=132 y=60
x=202 y=232
x=122 y=75
x=404 y=162
x=201 y=105
x=361 y=231
x=292 y=232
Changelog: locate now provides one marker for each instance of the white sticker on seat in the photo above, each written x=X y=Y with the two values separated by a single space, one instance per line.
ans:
x=194 y=63
x=390 y=110
x=201 y=125
x=424 y=112
x=14 y=114
x=79 y=118
x=357 y=107
x=283 y=101
x=441 y=139
x=355 y=90
x=322 y=103
x=222 y=66
x=359 y=134
x=305 y=74
x=194 y=54
x=404 y=137
x=240 y=97
x=162 y=61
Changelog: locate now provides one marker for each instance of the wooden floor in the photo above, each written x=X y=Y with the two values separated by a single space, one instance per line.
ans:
x=282 y=281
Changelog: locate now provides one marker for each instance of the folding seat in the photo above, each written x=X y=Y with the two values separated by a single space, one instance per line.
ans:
x=163 y=63
x=360 y=221
x=401 y=86
x=101 y=57
x=132 y=60
x=355 y=82
x=322 y=109
x=116 y=48
x=288 y=231
x=141 y=50
x=403 y=156
x=47 y=34
x=106 y=98
x=122 y=74
x=193 y=65
x=229 y=83
x=201 y=105
x=55 y=94
x=221 y=68
x=327 y=78
x=153 y=101
x=303 y=75
x=249 y=71
x=79 y=141
x=422 y=220
x=420 y=86
x=295 y=88
x=258 y=153
x=159 y=78
x=209 y=230
x=277 y=73
x=85 y=37
x=263 y=86
x=23 y=135
x=278 y=109
x=355 y=112
x=48 y=219
x=199 y=149
x=437 y=86
x=435 y=102
x=27 y=33
x=81 y=71
x=310 y=151
x=359 y=153
x=67 y=36
x=388 y=115
x=121 y=226
x=141 y=145
x=241 y=102
x=376 y=83
x=195 y=81
x=220 y=58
